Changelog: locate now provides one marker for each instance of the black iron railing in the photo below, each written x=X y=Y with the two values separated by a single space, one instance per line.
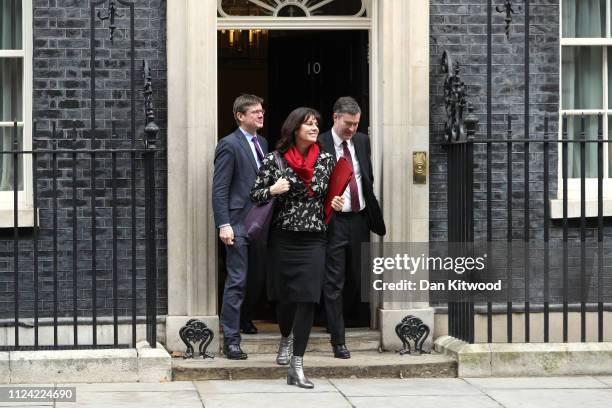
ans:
x=84 y=171
x=558 y=259
x=93 y=195
x=571 y=248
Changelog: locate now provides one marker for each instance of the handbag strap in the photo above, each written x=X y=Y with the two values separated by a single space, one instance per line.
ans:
x=279 y=161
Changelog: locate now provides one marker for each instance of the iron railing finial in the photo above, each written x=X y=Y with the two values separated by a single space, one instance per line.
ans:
x=151 y=128
x=509 y=10
x=112 y=13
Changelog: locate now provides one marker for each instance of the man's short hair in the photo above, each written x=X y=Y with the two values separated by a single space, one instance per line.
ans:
x=242 y=103
x=347 y=104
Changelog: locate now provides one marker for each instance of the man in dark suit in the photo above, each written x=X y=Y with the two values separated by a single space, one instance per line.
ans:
x=237 y=160
x=350 y=227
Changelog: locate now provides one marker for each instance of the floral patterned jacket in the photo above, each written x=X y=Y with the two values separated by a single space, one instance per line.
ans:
x=295 y=209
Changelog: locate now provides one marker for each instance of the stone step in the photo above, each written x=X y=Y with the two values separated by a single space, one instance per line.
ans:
x=267 y=342
x=362 y=364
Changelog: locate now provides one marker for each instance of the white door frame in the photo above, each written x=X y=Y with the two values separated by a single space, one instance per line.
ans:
x=399 y=117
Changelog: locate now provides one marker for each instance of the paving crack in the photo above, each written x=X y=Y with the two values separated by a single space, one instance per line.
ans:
x=341 y=393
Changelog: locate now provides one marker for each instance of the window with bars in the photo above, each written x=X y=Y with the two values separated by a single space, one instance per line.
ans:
x=586 y=82
x=15 y=99
x=12 y=57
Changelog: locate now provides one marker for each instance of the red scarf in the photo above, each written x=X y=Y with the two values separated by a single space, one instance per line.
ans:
x=304 y=167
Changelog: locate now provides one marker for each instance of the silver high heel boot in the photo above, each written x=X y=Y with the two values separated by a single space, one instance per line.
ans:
x=285 y=349
x=295 y=375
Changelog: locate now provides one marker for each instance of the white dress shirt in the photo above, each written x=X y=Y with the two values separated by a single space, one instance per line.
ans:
x=250 y=140
x=356 y=169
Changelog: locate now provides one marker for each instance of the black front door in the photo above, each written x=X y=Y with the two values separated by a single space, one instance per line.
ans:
x=296 y=68
x=313 y=69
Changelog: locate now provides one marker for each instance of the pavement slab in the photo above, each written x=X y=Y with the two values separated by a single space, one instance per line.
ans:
x=553 y=398
x=425 y=401
x=521 y=392
x=606 y=380
x=133 y=387
x=206 y=388
x=407 y=387
x=535 y=383
x=277 y=400
x=137 y=399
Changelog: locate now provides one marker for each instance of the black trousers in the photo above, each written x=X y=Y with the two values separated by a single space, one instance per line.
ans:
x=345 y=234
x=256 y=281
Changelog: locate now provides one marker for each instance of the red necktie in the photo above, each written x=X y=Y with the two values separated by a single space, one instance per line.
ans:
x=355 y=207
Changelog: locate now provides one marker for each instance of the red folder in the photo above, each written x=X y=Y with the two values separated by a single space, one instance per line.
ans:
x=338 y=181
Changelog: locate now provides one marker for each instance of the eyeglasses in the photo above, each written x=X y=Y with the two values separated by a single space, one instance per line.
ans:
x=256 y=112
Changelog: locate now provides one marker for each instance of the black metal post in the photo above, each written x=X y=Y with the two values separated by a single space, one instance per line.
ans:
x=151 y=130
x=35 y=230
x=600 y=231
x=92 y=82
x=149 y=163
x=489 y=155
x=115 y=251
x=75 y=254
x=546 y=234
x=526 y=251
x=94 y=276
x=16 y=228
x=564 y=175
x=509 y=232
x=55 y=227
x=582 y=229
x=526 y=182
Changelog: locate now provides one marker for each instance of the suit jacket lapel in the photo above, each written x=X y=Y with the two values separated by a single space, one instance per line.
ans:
x=361 y=157
x=242 y=141
x=327 y=141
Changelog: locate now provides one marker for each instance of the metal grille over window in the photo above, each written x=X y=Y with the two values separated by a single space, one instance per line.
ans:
x=84 y=272
x=585 y=80
x=11 y=90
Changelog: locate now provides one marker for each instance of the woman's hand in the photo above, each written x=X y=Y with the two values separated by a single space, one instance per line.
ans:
x=337 y=203
x=281 y=186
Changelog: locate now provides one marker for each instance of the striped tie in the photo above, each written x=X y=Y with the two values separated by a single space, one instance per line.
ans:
x=260 y=154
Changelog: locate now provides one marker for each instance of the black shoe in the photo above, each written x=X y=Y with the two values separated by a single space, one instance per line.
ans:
x=234 y=352
x=340 y=351
x=248 y=327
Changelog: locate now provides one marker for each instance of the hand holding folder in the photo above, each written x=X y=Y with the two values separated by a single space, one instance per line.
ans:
x=338 y=181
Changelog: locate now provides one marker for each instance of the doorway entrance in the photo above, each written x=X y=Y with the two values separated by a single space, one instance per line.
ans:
x=288 y=69
x=291 y=68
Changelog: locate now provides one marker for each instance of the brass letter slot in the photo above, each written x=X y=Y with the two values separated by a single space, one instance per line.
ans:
x=419 y=167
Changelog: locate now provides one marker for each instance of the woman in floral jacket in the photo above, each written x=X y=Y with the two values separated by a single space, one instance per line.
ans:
x=296 y=247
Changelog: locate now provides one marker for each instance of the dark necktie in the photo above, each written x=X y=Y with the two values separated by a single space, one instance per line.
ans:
x=260 y=154
x=353 y=183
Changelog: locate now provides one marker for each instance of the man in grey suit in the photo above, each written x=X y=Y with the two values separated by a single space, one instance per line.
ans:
x=350 y=227
x=237 y=160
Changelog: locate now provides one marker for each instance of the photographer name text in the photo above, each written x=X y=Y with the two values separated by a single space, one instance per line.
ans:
x=424 y=284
